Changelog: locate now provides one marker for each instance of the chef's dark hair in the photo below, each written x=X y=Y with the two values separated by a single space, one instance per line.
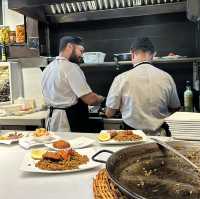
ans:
x=69 y=39
x=143 y=44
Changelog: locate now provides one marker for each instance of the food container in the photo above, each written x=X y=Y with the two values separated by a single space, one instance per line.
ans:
x=12 y=36
x=93 y=57
x=4 y=34
x=20 y=34
x=122 y=57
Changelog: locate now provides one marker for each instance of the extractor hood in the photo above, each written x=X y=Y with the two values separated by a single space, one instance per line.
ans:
x=62 y=11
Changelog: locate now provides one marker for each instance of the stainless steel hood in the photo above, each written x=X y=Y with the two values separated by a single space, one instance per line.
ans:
x=62 y=11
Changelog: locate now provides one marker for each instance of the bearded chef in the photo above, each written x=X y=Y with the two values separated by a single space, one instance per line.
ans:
x=66 y=91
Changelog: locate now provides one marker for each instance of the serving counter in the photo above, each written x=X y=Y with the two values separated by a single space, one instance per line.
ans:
x=32 y=119
x=16 y=184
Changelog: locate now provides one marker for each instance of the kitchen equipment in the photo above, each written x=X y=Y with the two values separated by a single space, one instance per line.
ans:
x=144 y=171
x=122 y=57
x=105 y=4
x=166 y=146
x=111 y=4
x=93 y=57
x=100 y=4
x=58 y=8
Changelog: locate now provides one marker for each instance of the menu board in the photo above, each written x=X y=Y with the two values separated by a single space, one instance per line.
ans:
x=4 y=84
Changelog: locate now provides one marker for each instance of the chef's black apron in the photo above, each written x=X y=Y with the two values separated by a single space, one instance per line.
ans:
x=77 y=115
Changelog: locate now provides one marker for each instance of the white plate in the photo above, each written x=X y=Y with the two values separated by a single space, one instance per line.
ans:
x=28 y=163
x=187 y=138
x=28 y=142
x=48 y=137
x=76 y=143
x=12 y=140
x=114 y=142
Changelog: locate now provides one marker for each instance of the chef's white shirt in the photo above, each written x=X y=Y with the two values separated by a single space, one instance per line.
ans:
x=63 y=82
x=143 y=95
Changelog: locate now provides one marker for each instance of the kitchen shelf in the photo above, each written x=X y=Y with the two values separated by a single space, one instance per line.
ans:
x=119 y=13
x=161 y=60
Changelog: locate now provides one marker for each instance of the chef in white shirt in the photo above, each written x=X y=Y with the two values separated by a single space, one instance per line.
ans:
x=145 y=95
x=65 y=89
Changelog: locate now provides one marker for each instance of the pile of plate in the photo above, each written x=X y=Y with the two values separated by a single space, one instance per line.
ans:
x=184 y=125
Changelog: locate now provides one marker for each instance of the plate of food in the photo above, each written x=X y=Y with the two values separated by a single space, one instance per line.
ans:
x=10 y=137
x=121 y=136
x=76 y=143
x=41 y=135
x=62 y=161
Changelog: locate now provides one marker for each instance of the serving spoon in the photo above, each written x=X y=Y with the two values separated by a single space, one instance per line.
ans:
x=167 y=146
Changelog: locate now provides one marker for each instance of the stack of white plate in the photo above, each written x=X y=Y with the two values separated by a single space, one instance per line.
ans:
x=184 y=125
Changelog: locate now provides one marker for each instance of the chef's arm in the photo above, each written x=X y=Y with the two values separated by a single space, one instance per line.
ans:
x=110 y=112
x=92 y=99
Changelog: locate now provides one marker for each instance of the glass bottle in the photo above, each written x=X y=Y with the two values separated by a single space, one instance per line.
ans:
x=3 y=53
x=188 y=98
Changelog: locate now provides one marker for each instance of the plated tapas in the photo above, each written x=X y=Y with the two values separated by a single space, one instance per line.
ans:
x=62 y=161
x=121 y=136
x=10 y=137
x=76 y=143
x=41 y=134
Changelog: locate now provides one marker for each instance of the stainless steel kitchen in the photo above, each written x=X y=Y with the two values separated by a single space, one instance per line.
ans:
x=100 y=99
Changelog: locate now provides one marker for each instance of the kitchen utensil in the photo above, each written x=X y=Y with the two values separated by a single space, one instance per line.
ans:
x=166 y=146
x=143 y=171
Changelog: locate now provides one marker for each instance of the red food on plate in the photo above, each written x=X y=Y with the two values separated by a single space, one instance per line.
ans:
x=61 y=144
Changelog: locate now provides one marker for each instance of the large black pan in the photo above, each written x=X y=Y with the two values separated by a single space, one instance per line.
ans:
x=144 y=171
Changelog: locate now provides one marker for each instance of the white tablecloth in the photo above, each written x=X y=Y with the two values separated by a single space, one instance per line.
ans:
x=16 y=184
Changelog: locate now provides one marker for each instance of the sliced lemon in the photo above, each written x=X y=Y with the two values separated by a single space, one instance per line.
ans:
x=37 y=154
x=104 y=136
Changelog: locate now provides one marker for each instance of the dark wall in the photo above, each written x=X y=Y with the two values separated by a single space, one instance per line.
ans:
x=169 y=33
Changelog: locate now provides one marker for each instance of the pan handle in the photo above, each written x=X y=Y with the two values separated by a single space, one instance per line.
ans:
x=96 y=154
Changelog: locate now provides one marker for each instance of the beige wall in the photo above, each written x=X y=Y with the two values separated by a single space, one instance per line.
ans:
x=11 y=18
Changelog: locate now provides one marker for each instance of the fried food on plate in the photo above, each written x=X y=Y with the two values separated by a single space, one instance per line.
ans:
x=61 y=144
x=61 y=160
